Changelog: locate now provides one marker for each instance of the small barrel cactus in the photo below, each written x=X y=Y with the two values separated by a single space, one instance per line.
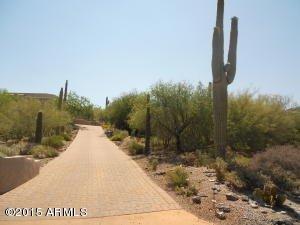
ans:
x=39 y=128
x=223 y=75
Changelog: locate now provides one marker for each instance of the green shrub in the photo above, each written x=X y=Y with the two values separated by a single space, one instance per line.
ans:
x=117 y=112
x=41 y=152
x=221 y=168
x=235 y=180
x=135 y=148
x=191 y=191
x=12 y=150
x=187 y=191
x=66 y=137
x=53 y=141
x=269 y=194
x=119 y=135
x=190 y=158
x=180 y=190
x=178 y=177
x=241 y=176
x=153 y=163
x=204 y=159
x=18 y=116
x=256 y=122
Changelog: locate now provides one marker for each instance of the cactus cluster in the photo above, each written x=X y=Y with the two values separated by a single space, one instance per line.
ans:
x=39 y=128
x=223 y=75
x=148 y=128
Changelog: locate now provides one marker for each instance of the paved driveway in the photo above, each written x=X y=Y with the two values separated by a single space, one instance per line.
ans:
x=94 y=174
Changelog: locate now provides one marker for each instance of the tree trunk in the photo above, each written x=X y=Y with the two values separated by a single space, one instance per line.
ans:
x=178 y=144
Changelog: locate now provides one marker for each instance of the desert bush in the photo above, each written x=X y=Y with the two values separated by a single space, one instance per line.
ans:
x=220 y=167
x=7 y=151
x=117 y=113
x=256 y=122
x=191 y=191
x=270 y=195
x=14 y=149
x=119 y=135
x=189 y=158
x=41 y=152
x=66 y=136
x=55 y=141
x=135 y=148
x=180 y=190
x=18 y=116
x=235 y=180
x=187 y=191
x=281 y=164
x=177 y=177
x=153 y=163
x=204 y=159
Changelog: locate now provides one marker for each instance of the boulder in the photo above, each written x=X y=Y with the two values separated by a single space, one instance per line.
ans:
x=220 y=215
x=245 y=198
x=232 y=197
x=223 y=207
x=196 y=199
x=253 y=204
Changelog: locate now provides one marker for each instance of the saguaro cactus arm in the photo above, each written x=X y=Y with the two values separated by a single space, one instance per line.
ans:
x=220 y=14
x=219 y=23
x=232 y=50
x=216 y=56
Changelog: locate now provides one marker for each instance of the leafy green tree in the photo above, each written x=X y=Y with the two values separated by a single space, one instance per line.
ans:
x=79 y=106
x=175 y=108
x=256 y=122
x=117 y=112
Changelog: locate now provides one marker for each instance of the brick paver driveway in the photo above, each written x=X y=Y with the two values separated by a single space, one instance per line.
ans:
x=94 y=174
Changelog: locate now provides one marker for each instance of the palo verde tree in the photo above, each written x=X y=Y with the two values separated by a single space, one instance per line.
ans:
x=79 y=106
x=223 y=75
x=174 y=109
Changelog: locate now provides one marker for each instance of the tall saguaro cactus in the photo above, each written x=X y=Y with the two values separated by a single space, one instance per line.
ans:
x=66 y=91
x=60 y=99
x=148 y=128
x=106 y=102
x=39 y=128
x=223 y=75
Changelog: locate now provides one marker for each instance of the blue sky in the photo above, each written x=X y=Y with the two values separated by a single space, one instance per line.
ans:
x=105 y=48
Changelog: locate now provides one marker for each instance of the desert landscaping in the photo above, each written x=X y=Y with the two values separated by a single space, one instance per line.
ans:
x=155 y=151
